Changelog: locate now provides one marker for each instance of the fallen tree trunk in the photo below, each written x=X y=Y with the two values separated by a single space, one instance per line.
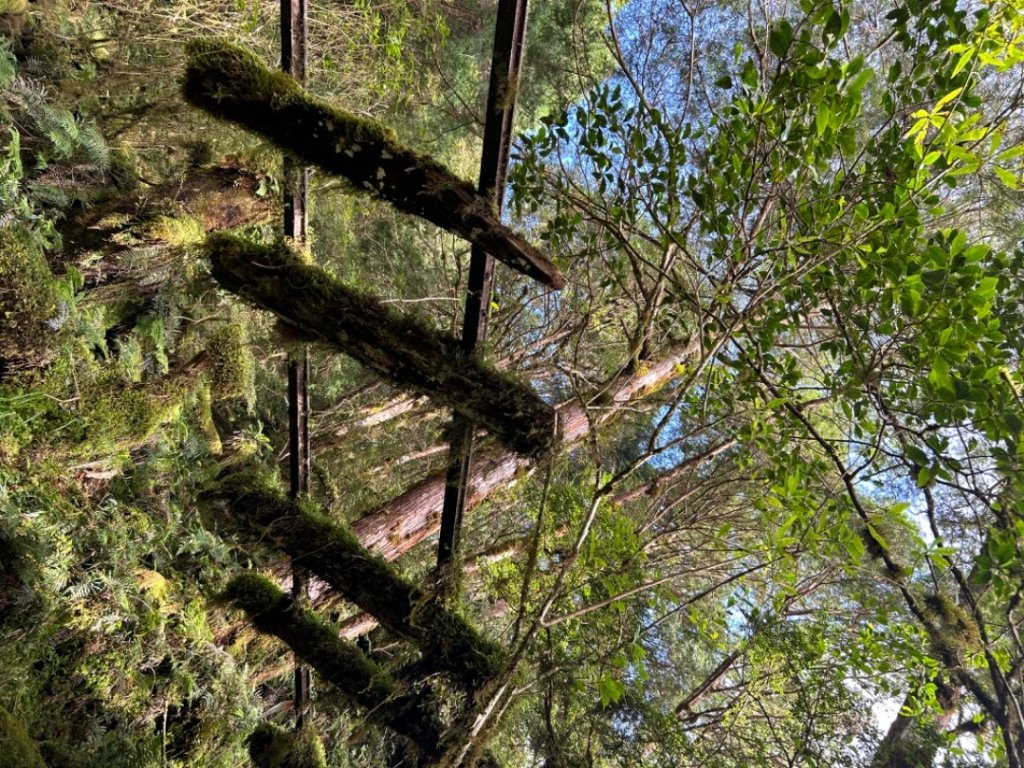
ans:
x=394 y=345
x=402 y=523
x=448 y=643
x=339 y=662
x=232 y=83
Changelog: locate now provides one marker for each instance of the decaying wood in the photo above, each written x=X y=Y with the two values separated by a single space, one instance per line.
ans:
x=337 y=661
x=449 y=645
x=396 y=346
x=402 y=523
x=232 y=83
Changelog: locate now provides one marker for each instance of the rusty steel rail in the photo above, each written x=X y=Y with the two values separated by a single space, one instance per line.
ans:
x=296 y=222
x=506 y=62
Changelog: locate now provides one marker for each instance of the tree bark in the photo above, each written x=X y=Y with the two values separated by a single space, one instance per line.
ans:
x=402 y=523
x=339 y=662
x=913 y=742
x=393 y=345
x=448 y=643
x=233 y=84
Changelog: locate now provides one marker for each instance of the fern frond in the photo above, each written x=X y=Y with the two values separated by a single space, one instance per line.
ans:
x=94 y=146
x=26 y=92
x=35 y=65
x=8 y=65
x=47 y=194
x=58 y=126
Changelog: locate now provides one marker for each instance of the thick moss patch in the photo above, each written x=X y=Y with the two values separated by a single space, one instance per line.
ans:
x=448 y=643
x=271 y=746
x=232 y=83
x=29 y=310
x=338 y=661
x=17 y=749
x=398 y=347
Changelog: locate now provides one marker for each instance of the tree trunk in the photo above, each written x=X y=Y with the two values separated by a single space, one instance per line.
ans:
x=913 y=742
x=395 y=346
x=402 y=523
x=448 y=643
x=233 y=84
x=339 y=662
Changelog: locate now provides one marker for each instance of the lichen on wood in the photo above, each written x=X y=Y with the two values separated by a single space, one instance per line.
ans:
x=337 y=661
x=396 y=346
x=447 y=642
x=232 y=83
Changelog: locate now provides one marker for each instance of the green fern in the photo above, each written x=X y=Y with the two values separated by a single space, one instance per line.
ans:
x=8 y=64
x=59 y=127
x=68 y=137
x=94 y=146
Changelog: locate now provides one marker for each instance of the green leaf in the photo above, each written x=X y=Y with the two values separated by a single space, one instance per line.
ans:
x=1008 y=178
x=610 y=689
x=924 y=476
x=822 y=117
x=963 y=61
x=947 y=98
x=916 y=455
x=939 y=376
x=780 y=37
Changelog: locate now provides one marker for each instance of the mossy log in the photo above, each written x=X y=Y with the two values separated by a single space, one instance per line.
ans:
x=203 y=200
x=17 y=748
x=396 y=346
x=271 y=746
x=447 y=642
x=232 y=83
x=338 y=661
x=116 y=416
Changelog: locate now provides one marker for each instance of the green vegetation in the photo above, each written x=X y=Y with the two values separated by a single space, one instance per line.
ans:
x=785 y=491
x=222 y=71
x=28 y=302
x=396 y=346
x=448 y=643
x=273 y=747
x=17 y=749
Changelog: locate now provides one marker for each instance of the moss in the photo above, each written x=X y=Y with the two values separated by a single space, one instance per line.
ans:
x=953 y=632
x=178 y=231
x=219 y=69
x=17 y=749
x=268 y=745
x=233 y=369
x=204 y=407
x=337 y=661
x=448 y=643
x=271 y=746
x=235 y=85
x=395 y=345
x=28 y=300
x=13 y=6
x=254 y=594
x=112 y=415
x=118 y=417
x=249 y=477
